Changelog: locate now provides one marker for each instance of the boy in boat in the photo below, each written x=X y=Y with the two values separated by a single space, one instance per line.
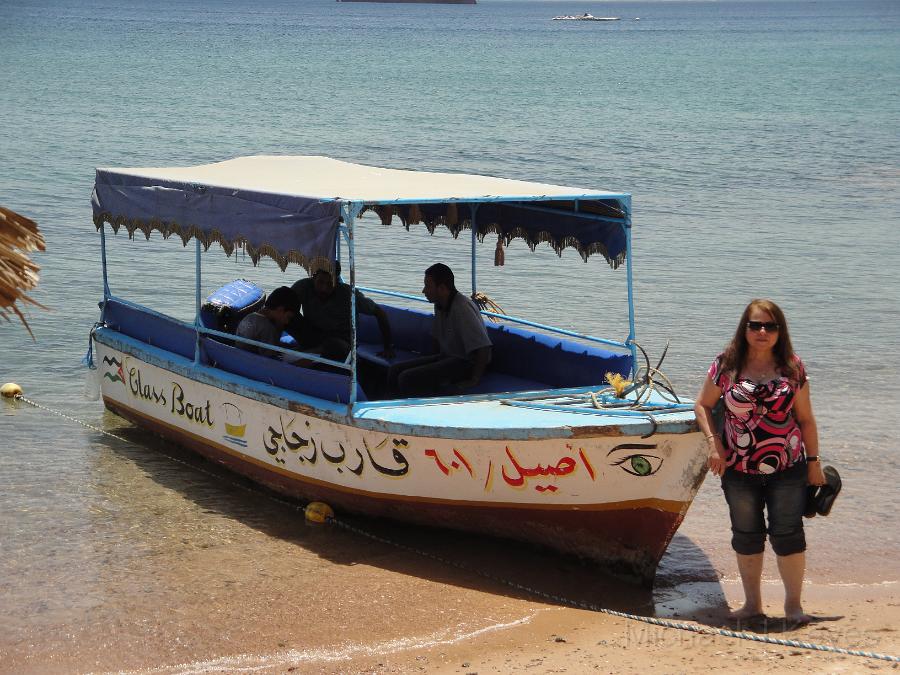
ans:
x=460 y=339
x=325 y=327
x=269 y=323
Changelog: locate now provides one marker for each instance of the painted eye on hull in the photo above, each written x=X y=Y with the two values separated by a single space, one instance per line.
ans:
x=640 y=465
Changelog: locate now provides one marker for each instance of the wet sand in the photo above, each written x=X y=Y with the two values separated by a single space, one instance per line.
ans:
x=324 y=600
x=417 y=626
x=149 y=560
x=559 y=641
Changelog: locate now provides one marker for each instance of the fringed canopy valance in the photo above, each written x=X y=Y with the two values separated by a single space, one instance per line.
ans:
x=289 y=208
x=555 y=223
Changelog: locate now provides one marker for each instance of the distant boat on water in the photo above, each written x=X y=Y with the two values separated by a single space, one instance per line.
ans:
x=584 y=17
x=429 y=2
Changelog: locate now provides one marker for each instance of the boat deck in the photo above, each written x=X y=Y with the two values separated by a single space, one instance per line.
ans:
x=522 y=417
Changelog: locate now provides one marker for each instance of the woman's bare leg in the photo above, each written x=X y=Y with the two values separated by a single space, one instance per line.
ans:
x=792 y=568
x=750 y=567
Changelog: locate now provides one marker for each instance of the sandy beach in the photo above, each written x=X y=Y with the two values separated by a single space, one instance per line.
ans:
x=504 y=636
x=326 y=602
x=572 y=641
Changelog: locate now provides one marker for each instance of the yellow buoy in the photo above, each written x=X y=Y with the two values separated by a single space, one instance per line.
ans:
x=10 y=390
x=318 y=512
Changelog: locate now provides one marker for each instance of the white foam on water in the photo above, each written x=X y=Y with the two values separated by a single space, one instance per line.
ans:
x=775 y=581
x=854 y=584
x=248 y=663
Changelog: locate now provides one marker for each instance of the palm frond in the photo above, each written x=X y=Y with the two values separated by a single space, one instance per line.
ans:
x=18 y=273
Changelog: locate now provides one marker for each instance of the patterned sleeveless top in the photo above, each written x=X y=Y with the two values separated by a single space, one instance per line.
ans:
x=761 y=433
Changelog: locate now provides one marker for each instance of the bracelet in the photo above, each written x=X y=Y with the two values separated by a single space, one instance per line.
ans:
x=708 y=436
x=813 y=459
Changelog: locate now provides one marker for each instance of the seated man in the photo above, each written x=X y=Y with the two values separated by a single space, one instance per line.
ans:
x=461 y=342
x=325 y=327
x=267 y=324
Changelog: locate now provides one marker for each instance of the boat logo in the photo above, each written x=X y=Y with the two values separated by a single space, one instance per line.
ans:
x=641 y=463
x=235 y=427
x=118 y=375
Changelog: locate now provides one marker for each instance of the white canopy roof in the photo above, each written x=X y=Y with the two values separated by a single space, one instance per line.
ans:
x=288 y=208
x=326 y=178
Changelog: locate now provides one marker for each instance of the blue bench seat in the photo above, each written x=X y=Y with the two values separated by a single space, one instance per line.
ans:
x=521 y=360
x=368 y=351
x=181 y=339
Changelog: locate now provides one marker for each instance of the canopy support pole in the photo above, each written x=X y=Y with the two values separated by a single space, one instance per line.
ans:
x=106 y=292
x=474 y=209
x=349 y=212
x=337 y=249
x=626 y=227
x=342 y=233
x=197 y=275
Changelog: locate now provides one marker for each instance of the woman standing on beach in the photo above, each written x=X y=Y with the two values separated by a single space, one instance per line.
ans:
x=768 y=452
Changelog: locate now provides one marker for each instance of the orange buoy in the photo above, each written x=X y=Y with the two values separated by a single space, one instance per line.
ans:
x=318 y=512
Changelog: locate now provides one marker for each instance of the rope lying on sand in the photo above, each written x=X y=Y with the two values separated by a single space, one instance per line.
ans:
x=578 y=604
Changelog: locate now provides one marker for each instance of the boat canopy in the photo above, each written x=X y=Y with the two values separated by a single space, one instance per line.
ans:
x=289 y=208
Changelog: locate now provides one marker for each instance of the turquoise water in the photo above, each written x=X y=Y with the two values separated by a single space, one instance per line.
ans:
x=761 y=143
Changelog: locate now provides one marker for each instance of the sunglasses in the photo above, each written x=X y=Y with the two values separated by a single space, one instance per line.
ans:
x=757 y=326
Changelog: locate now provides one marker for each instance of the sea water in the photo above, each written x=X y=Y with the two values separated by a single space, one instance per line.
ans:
x=760 y=141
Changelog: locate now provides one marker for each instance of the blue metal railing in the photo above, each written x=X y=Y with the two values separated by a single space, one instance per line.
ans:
x=595 y=196
x=655 y=409
x=293 y=353
x=512 y=319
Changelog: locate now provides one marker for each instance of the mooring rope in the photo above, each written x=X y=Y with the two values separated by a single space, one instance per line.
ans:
x=577 y=604
x=613 y=400
x=580 y=604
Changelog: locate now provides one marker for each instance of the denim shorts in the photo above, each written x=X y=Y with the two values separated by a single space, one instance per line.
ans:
x=783 y=497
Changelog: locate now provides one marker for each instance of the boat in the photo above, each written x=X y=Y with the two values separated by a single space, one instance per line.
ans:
x=421 y=2
x=570 y=441
x=584 y=17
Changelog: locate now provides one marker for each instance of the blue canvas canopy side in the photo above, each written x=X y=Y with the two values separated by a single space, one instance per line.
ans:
x=286 y=228
x=288 y=207
x=590 y=226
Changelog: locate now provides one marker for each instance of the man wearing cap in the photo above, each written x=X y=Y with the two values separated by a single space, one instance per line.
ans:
x=325 y=327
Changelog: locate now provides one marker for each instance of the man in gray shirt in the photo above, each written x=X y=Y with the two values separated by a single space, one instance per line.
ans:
x=269 y=323
x=461 y=342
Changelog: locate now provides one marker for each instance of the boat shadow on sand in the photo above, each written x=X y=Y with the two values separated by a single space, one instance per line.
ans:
x=687 y=586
